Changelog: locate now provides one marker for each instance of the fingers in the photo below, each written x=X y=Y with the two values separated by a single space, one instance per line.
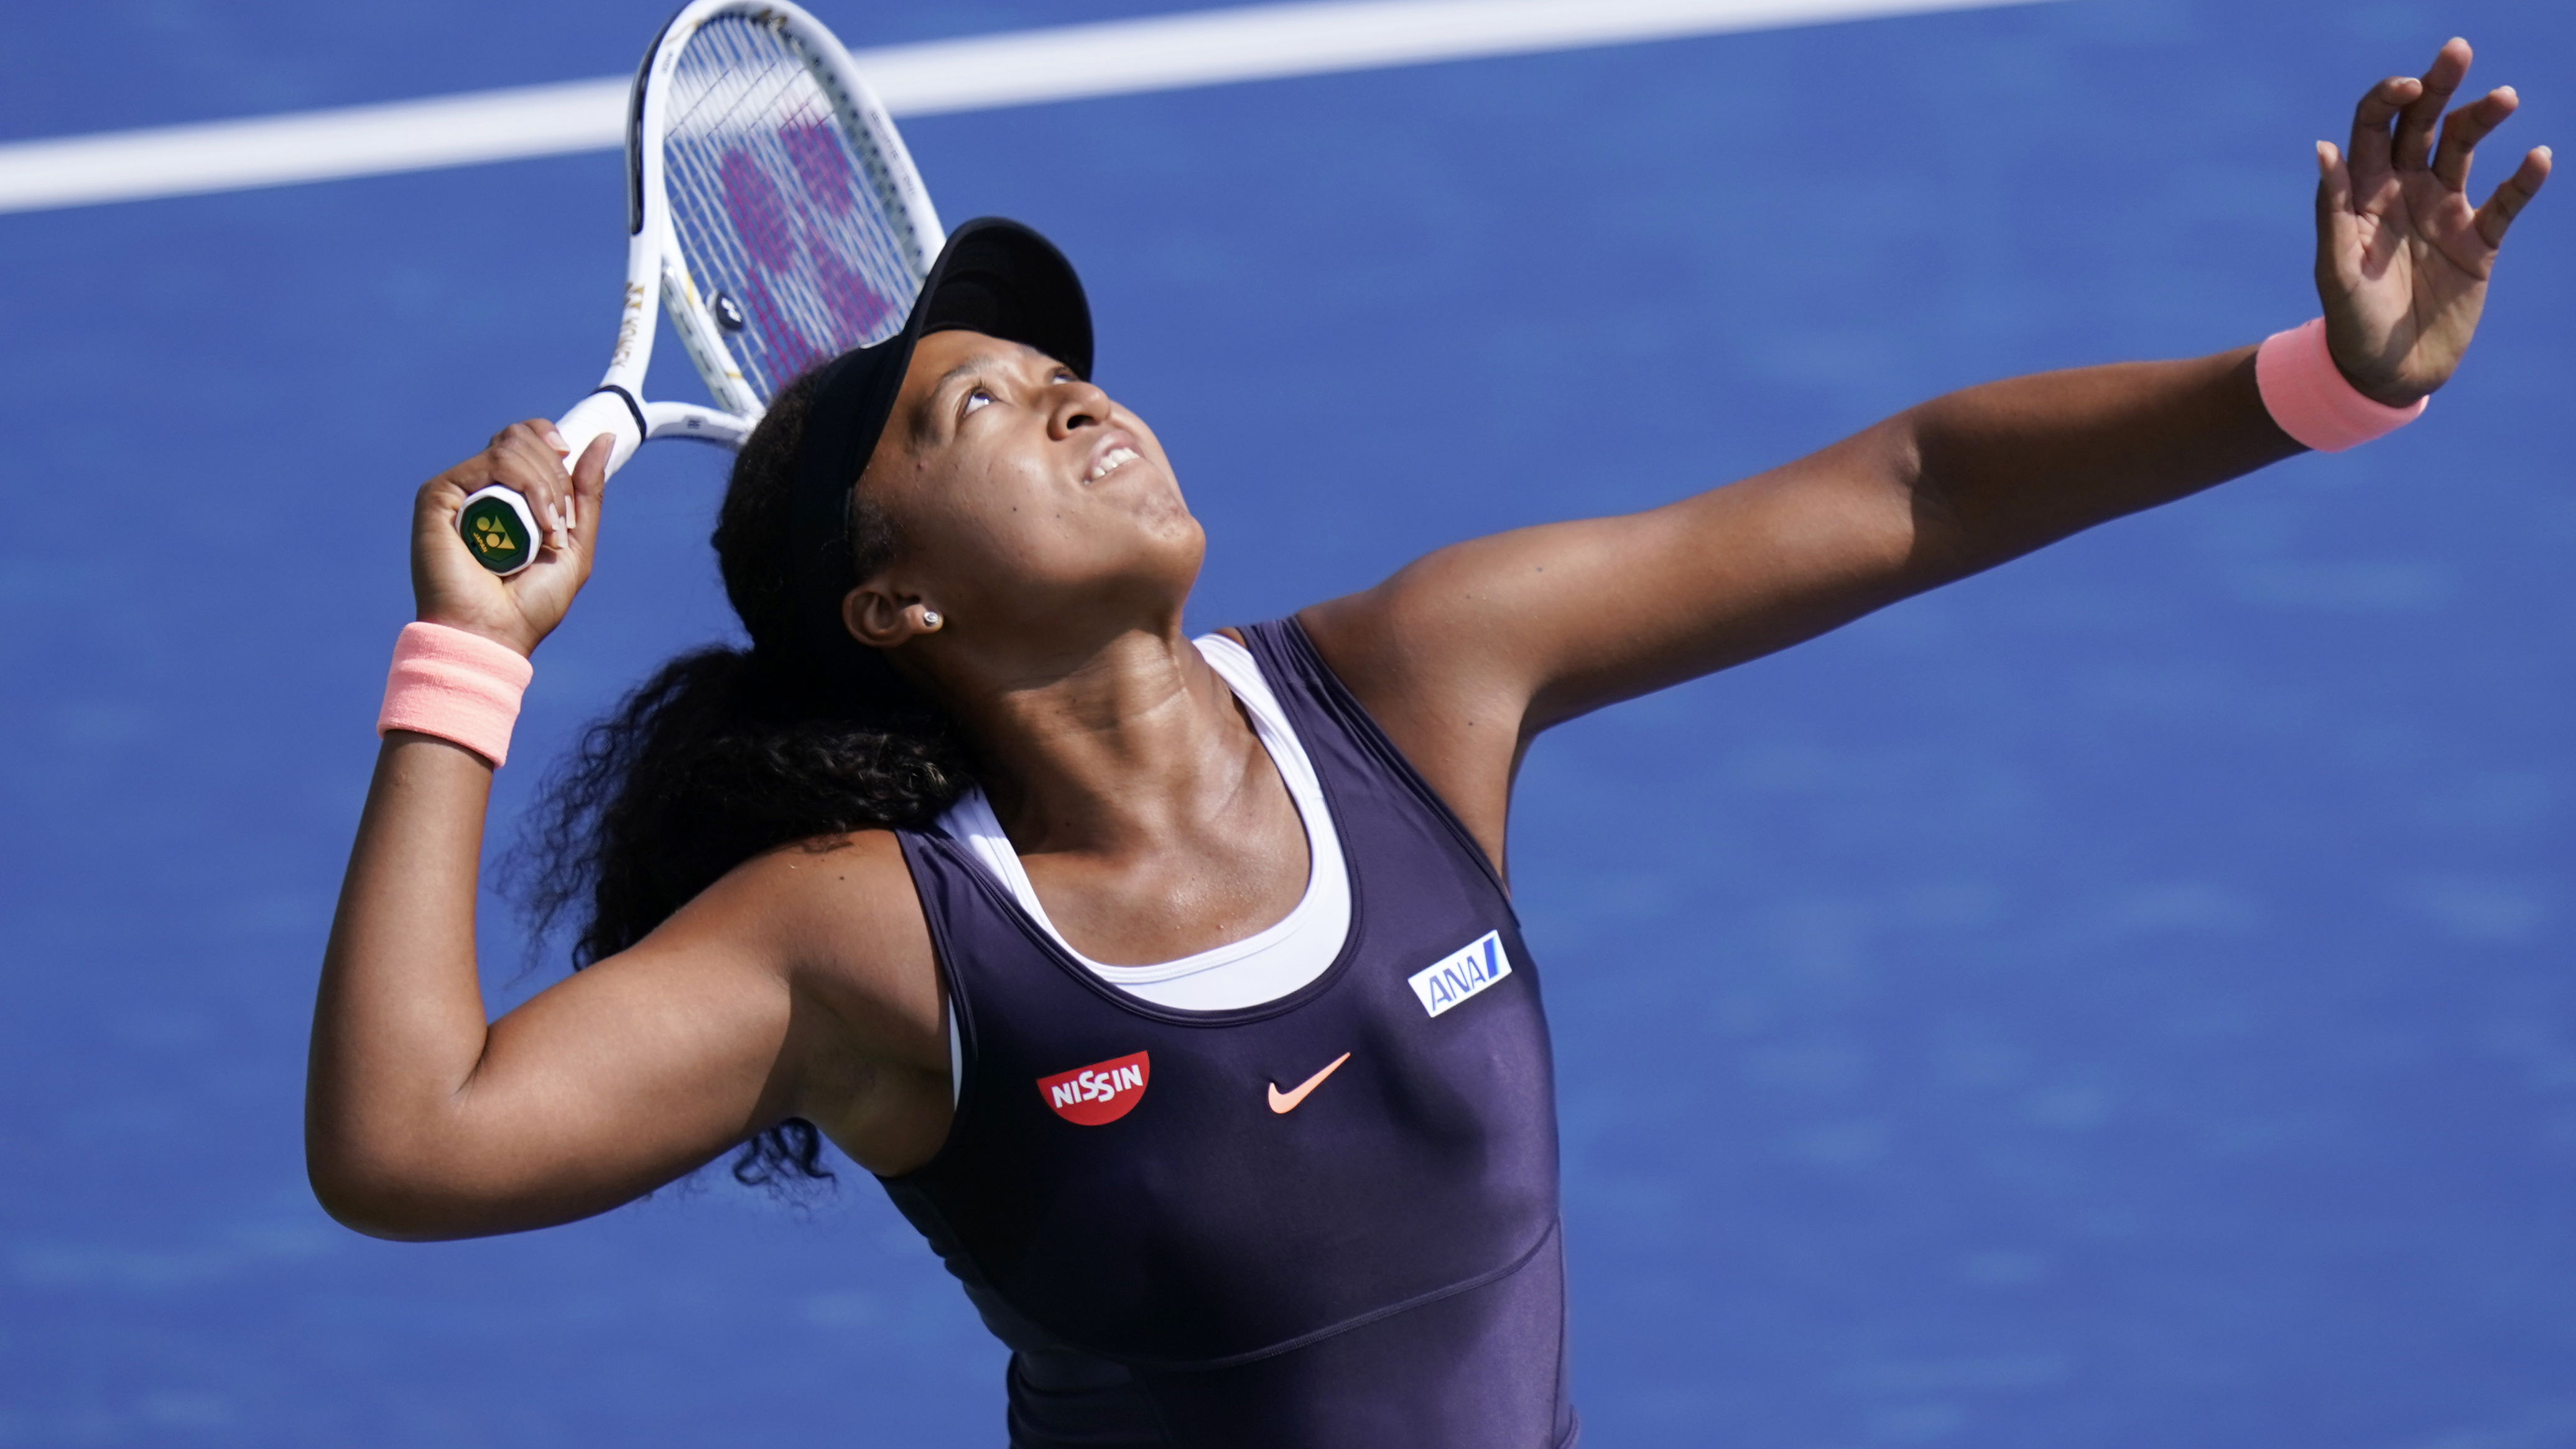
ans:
x=2379 y=105
x=2334 y=187
x=589 y=487
x=2513 y=196
x=2336 y=221
x=523 y=458
x=2413 y=148
x=2465 y=128
x=533 y=446
x=2334 y=194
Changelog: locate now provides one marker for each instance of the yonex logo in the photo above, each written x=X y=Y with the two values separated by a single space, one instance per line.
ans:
x=1477 y=965
x=1100 y=1093
x=494 y=531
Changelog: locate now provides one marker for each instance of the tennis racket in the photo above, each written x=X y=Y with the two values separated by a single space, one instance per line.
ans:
x=771 y=204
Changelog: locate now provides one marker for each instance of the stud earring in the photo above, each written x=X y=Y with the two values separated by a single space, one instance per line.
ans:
x=930 y=618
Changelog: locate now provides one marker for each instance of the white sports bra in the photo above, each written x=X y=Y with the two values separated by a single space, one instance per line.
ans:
x=1261 y=967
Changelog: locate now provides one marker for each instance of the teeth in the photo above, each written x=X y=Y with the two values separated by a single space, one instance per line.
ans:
x=1110 y=461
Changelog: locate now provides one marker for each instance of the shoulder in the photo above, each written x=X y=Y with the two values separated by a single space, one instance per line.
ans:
x=1442 y=625
x=838 y=917
x=1422 y=668
x=821 y=898
x=1417 y=674
x=820 y=944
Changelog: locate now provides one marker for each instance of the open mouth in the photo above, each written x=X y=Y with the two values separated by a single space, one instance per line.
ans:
x=1110 y=462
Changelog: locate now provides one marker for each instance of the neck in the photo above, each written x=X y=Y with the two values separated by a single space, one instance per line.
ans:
x=1109 y=750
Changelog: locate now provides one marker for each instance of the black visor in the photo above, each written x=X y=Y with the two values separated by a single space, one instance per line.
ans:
x=994 y=276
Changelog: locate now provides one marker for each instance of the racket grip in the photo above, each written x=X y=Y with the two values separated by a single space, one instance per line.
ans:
x=498 y=526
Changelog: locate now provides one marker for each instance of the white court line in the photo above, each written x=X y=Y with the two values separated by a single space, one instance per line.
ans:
x=1170 y=52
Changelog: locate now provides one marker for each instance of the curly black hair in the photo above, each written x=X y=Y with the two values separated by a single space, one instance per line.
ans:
x=725 y=753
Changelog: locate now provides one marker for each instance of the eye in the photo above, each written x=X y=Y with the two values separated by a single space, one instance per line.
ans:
x=974 y=399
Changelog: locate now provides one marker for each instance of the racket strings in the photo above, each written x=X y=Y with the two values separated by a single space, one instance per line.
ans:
x=776 y=208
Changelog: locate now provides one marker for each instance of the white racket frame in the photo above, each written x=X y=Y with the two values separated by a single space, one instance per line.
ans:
x=657 y=268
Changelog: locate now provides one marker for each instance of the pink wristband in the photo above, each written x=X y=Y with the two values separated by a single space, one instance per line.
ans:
x=460 y=687
x=2311 y=398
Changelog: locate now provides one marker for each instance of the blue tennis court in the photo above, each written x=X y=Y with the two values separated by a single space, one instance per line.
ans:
x=2122 y=1000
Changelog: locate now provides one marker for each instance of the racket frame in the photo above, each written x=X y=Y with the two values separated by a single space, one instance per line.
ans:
x=657 y=267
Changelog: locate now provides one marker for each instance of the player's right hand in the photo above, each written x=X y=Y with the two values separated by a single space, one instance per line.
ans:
x=449 y=587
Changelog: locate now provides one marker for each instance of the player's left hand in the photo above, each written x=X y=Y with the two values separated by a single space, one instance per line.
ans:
x=2402 y=258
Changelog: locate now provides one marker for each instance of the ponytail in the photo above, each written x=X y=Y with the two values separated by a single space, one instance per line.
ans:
x=728 y=752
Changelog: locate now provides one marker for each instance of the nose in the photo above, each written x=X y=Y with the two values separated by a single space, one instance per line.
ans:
x=1076 y=405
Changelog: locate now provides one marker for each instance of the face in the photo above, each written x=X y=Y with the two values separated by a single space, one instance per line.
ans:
x=1027 y=501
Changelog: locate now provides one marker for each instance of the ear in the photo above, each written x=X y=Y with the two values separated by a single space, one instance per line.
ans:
x=883 y=619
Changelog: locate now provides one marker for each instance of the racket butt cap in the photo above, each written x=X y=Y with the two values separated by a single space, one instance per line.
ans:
x=499 y=529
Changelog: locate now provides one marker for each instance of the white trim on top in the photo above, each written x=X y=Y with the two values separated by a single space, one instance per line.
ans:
x=1167 y=52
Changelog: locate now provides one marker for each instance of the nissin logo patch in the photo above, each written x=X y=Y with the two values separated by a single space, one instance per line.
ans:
x=1100 y=1093
x=1477 y=965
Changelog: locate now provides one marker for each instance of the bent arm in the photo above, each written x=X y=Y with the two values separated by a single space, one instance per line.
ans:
x=422 y=1121
x=799 y=985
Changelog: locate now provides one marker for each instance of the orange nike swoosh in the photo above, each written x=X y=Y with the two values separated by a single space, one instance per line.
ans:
x=1285 y=1102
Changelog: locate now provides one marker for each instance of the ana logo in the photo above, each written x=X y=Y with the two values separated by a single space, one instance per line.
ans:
x=1477 y=965
x=1100 y=1093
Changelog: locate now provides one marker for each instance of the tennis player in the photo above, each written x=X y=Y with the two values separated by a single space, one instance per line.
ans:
x=1171 y=986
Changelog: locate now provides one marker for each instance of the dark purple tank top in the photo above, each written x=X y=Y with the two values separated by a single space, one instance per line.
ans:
x=1174 y=1259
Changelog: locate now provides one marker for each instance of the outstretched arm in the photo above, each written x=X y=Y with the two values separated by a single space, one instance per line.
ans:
x=1467 y=654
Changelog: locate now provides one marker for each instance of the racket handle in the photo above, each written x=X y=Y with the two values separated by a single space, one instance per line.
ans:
x=499 y=528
